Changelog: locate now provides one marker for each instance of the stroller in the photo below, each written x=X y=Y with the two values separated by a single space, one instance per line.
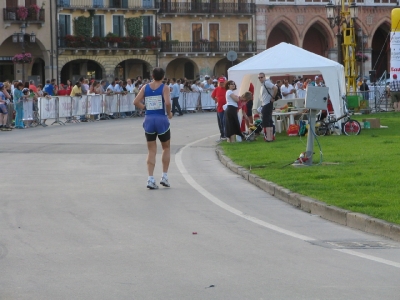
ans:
x=254 y=130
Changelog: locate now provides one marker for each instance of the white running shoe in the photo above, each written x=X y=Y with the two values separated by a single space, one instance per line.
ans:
x=151 y=185
x=164 y=182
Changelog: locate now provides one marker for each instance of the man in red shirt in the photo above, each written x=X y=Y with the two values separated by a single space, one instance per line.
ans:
x=219 y=96
x=33 y=87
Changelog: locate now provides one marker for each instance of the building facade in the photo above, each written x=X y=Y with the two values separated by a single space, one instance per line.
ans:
x=127 y=38
x=205 y=37
x=304 y=23
x=26 y=28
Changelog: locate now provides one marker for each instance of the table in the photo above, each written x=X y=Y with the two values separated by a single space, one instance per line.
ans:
x=288 y=117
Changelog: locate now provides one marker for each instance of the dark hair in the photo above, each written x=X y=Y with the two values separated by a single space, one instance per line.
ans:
x=228 y=83
x=158 y=73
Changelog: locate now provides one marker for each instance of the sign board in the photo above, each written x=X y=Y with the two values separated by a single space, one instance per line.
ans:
x=317 y=97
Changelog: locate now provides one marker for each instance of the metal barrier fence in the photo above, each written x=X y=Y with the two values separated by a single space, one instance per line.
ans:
x=374 y=100
x=109 y=105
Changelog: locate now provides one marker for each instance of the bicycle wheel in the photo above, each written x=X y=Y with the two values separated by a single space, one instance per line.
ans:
x=320 y=128
x=351 y=127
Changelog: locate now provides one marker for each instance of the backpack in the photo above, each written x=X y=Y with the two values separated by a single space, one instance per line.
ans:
x=303 y=128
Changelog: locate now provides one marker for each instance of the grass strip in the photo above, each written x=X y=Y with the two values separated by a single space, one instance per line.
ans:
x=357 y=173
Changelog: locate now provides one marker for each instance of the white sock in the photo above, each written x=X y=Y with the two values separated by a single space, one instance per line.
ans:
x=165 y=175
x=151 y=178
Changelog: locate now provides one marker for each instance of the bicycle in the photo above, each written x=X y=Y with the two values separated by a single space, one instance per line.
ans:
x=328 y=126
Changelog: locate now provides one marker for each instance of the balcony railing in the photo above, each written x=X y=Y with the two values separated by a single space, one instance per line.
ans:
x=10 y=14
x=247 y=46
x=98 y=43
x=95 y=43
x=207 y=8
x=107 y=4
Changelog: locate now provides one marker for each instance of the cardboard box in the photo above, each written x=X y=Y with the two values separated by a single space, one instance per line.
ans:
x=375 y=123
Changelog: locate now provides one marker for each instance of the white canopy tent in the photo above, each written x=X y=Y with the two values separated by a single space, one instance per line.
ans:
x=287 y=59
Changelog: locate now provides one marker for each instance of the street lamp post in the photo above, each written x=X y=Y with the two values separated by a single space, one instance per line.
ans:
x=19 y=37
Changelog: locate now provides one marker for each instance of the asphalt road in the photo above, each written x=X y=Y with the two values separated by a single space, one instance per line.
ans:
x=77 y=222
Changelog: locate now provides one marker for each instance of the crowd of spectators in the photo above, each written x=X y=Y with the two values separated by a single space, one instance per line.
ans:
x=13 y=94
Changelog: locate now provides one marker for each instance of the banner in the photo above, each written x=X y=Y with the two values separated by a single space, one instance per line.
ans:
x=94 y=105
x=206 y=101
x=191 y=100
x=27 y=107
x=395 y=44
x=47 y=108
x=126 y=103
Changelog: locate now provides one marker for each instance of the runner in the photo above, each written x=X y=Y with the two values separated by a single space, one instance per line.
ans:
x=157 y=112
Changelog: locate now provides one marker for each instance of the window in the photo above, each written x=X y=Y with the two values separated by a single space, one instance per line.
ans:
x=148 y=25
x=98 y=26
x=243 y=32
x=118 y=25
x=197 y=32
x=29 y=2
x=64 y=25
x=11 y=3
x=64 y=3
x=165 y=32
x=119 y=3
x=98 y=3
x=147 y=3
x=64 y=28
x=214 y=32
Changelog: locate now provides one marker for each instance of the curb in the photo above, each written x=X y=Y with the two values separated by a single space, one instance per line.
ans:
x=331 y=213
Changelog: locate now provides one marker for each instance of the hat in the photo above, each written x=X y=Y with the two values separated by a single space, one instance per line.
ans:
x=316 y=77
x=221 y=79
x=256 y=116
x=394 y=76
x=215 y=80
x=207 y=77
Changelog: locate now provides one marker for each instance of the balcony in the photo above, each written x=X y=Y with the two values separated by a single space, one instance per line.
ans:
x=199 y=47
x=107 y=4
x=96 y=43
x=232 y=8
x=10 y=15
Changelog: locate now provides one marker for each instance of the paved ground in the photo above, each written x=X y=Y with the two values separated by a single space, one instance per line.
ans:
x=76 y=222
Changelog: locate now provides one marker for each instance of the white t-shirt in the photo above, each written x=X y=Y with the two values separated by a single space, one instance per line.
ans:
x=265 y=96
x=229 y=99
x=288 y=89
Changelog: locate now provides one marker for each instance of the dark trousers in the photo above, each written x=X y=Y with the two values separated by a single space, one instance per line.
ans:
x=221 y=123
x=175 y=103
x=266 y=112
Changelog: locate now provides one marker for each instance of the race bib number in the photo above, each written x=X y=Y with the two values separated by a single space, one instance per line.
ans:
x=153 y=102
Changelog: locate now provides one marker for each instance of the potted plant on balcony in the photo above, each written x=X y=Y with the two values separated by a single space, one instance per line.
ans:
x=34 y=11
x=360 y=57
x=22 y=58
x=134 y=42
x=97 y=42
x=22 y=13
x=113 y=39
x=150 y=41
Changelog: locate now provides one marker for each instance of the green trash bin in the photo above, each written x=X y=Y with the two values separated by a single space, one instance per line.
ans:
x=353 y=101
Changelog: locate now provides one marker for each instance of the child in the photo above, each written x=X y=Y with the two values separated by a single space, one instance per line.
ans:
x=247 y=96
